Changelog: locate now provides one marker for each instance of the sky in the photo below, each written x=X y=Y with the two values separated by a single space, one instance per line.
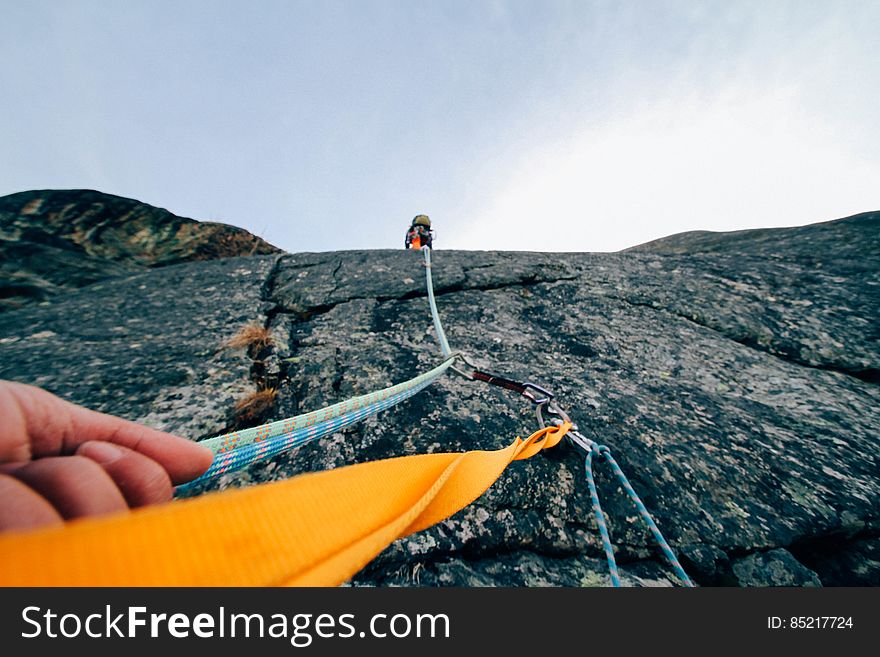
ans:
x=529 y=125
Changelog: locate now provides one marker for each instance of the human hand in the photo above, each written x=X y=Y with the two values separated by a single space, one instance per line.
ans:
x=59 y=461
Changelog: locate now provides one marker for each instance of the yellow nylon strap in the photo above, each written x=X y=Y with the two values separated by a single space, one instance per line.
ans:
x=313 y=530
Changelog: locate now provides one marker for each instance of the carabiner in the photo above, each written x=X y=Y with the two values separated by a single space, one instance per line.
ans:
x=467 y=375
x=543 y=395
x=556 y=416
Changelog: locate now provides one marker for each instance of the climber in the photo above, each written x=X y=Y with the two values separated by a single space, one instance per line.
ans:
x=419 y=233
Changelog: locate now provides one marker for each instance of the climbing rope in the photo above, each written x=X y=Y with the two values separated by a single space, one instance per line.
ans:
x=602 y=450
x=239 y=449
x=604 y=534
x=429 y=283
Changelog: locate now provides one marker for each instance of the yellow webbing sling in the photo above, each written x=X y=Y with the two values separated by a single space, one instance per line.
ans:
x=313 y=530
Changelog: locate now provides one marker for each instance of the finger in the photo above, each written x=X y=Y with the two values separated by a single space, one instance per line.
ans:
x=14 y=443
x=182 y=459
x=23 y=507
x=74 y=485
x=9 y=468
x=55 y=426
x=141 y=480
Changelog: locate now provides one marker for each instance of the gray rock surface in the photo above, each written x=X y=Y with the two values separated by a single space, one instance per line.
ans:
x=738 y=392
x=148 y=347
x=773 y=568
x=55 y=241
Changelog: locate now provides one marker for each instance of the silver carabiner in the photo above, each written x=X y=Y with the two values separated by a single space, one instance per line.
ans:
x=542 y=397
x=556 y=416
x=466 y=361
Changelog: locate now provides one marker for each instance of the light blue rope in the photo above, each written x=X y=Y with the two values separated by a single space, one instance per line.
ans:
x=602 y=450
x=294 y=432
x=600 y=521
x=237 y=459
x=242 y=437
x=429 y=282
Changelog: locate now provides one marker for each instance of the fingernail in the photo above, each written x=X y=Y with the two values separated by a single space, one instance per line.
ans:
x=101 y=452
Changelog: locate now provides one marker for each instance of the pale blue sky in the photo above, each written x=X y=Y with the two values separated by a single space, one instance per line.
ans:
x=582 y=126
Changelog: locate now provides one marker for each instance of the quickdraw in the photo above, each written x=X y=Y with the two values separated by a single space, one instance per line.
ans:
x=550 y=413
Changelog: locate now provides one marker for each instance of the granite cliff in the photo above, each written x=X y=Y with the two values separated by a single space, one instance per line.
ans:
x=734 y=377
x=53 y=241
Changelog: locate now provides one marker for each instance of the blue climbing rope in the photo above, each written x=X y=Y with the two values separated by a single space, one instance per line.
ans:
x=238 y=449
x=243 y=456
x=600 y=522
x=602 y=450
x=429 y=283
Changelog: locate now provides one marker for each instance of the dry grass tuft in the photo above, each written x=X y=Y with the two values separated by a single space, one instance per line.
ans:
x=255 y=407
x=253 y=336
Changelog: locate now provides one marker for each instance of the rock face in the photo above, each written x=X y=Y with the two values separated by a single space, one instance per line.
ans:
x=58 y=240
x=774 y=568
x=737 y=387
